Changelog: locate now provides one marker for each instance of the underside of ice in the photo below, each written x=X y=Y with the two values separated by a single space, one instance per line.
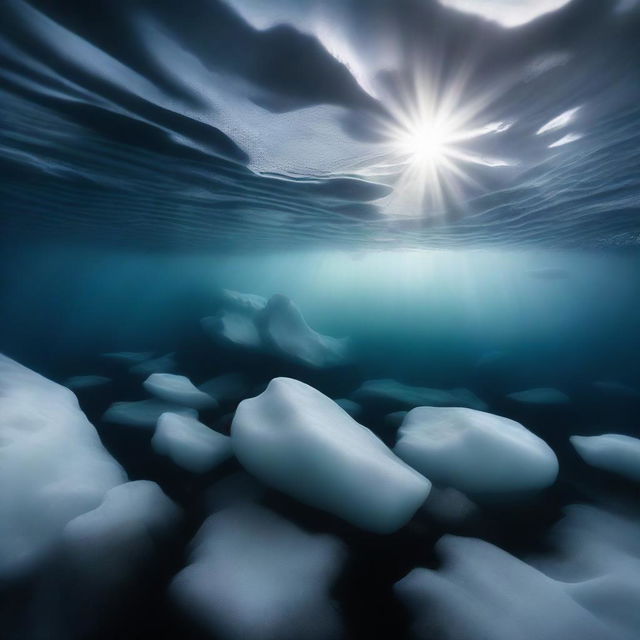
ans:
x=255 y=576
x=275 y=326
x=53 y=466
x=476 y=452
x=405 y=396
x=299 y=441
x=541 y=395
x=612 y=452
x=179 y=389
x=143 y=413
x=189 y=443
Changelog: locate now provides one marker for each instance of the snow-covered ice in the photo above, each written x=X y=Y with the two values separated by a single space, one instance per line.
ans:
x=540 y=396
x=299 y=441
x=189 y=443
x=143 y=413
x=476 y=452
x=255 y=576
x=179 y=389
x=612 y=452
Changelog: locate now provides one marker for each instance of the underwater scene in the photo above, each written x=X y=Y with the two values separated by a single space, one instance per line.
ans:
x=320 y=319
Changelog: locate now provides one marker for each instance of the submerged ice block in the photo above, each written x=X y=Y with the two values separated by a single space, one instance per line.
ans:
x=255 y=576
x=53 y=466
x=143 y=413
x=612 y=452
x=475 y=452
x=400 y=395
x=540 y=396
x=189 y=443
x=179 y=389
x=300 y=442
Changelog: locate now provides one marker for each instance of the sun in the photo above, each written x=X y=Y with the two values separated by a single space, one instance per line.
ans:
x=428 y=142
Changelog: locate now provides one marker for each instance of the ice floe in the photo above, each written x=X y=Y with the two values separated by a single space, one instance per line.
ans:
x=53 y=466
x=178 y=389
x=128 y=357
x=189 y=443
x=255 y=576
x=540 y=396
x=612 y=452
x=143 y=413
x=476 y=452
x=299 y=441
x=402 y=395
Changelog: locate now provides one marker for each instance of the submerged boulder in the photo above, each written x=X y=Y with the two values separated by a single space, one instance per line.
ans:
x=189 y=443
x=540 y=396
x=612 y=452
x=297 y=440
x=400 y=395
x=255 y=576
x=475 y=452
x=179 y=389
x=143 y=413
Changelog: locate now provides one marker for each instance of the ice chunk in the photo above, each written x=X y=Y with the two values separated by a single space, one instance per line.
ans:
x=351 y=407
x=407 y=396
x=286 y=331
x=395 y=419
x=612 y=452
x=476 y=452
x=119 y=533
x=541 y=395
x=178 y=389
x=234 y=327
x=86 y=382
x=53 y=466
x=229 y=387
x=143 y=413
x=244 y=301
x=164 y=363
x=483 y=592
x=299 y=441
x=254 y=576
x=128 y=357
x=189 y=443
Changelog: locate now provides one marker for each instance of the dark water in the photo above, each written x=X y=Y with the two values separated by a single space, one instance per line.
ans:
x=154 y=153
